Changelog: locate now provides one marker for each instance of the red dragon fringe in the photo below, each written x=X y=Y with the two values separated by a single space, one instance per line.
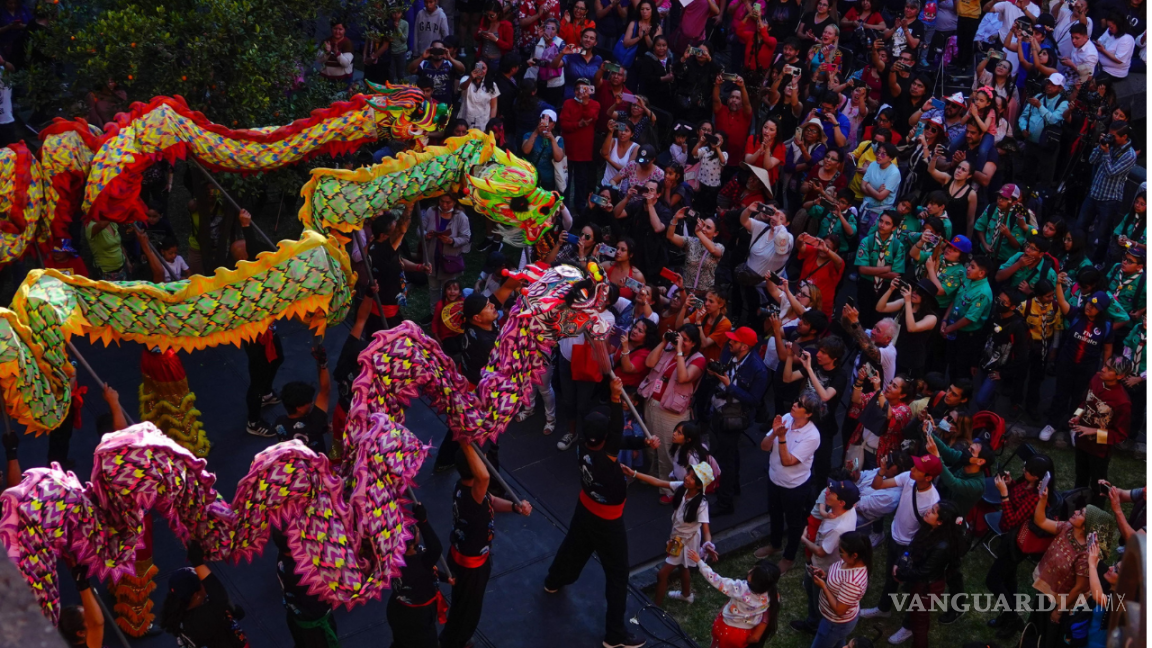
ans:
x=120 y=200
x=133 y=606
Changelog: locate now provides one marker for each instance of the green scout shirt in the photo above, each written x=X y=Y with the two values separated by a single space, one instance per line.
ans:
x=973 y=301
x=830 y=224
x=1075 y=297
x=1031 y=275
x=951 y=276
x=1134 y=348
x=989 y=225
x=1128 y=290
x=873 y=252
x=963 y=489
x=1127 y=228
x=105 y=245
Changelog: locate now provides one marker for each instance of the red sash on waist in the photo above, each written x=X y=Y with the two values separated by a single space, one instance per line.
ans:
x=471 y=562
x=604 y=511
x=391 y=310
x=441 y=606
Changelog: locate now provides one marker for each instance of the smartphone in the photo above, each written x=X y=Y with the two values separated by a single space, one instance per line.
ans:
x=695 y=51
x=670 y=275
x=612 y=67
x=728 y=76
x=1024 y=25
x=636 y=286
x=938 y=104
x=572 y=238
x=607 y=251
x=791 y=70
x=774 y=278
x=627 y=97
x=944 y=425
x=855 y=464
x=1044 y=481
x=850 y=301
x=597 y=199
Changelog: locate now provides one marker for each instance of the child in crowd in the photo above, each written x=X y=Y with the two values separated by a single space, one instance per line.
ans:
x=689 y=521
x=443 y=327
x=752 y=608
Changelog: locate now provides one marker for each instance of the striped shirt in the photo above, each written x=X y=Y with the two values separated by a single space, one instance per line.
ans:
x=848 y=586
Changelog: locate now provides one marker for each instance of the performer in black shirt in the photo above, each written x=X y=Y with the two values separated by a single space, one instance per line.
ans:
x=598 y=524
x=471 y=544
x=415 y=604
x=310 y=620
x=348 y=367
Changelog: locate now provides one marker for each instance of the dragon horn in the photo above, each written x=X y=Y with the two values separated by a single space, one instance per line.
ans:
x=375 y=87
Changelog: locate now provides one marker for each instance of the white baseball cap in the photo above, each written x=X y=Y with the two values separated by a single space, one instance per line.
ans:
x=783 y=242
x=1057 y=79
x=549 y=113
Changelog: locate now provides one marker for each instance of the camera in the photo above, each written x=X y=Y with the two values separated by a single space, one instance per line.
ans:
x=897 y=285
x=711 y=139
x=900 y=66
x=791 y=71
x=768 y=311
x=1024 y=25
x=715 y=367
x=670 y=336
x=1108 y=139
x=437 y=51
x=728 y=76
x=695 y=51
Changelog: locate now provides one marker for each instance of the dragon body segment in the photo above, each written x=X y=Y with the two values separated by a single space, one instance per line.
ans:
x=347 y=532
x=309 y=278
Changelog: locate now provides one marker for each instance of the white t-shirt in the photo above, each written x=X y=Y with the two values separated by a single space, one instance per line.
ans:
x=477 y=103
x=802 y=444
x=1064 y=22
x=1009 y=12
x=687 y=530
x=904 y=523
x=828 y=537
x=762 y=256
x=874 y=504
x=6 y=114
x=1121 y=48
x=179 y=265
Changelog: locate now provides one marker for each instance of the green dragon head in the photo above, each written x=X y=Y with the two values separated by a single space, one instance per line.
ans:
x=403 y=112
x=505 y=190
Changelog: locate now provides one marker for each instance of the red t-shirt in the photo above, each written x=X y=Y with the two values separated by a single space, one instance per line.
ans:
x=73 y=266
x=734 y=125
x=633 y=379
x=827 y=278
x=578 y=141
x=606 y=97
x=756 y=141
x=670 y=374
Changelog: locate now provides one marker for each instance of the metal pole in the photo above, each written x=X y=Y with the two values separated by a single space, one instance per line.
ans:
x=512 y=495
x=235 y=205
x=95 y=376
x=628 y=401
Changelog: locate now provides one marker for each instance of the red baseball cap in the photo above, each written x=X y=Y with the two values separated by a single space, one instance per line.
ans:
x=744 y=335
x=929 y=465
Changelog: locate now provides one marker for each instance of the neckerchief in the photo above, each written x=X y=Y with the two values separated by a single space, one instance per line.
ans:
x=881 y=255
x=1124 y=283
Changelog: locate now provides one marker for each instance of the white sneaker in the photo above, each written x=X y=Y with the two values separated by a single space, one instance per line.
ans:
x=874 y=613
x=525 y=414
x=877 y=538
x=902 y=635
x=1047 y=432
x=676 y=594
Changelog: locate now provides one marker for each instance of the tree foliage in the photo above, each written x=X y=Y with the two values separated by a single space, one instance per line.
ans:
x=243 y=63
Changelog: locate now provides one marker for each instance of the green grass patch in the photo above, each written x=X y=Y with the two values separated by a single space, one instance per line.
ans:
x=1126 y=470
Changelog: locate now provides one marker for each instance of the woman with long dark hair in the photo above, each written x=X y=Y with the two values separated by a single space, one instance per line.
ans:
x=478 y=94
x=917 y=303
x=936 y=548
x=644 y=29
x=634 y=350
x=676 y=368
x=197 y=609
x=621 y=270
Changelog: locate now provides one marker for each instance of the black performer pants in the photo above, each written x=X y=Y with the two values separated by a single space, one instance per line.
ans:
x=588 y=533
x=412 y=627
x=467 y=603
x=310 y=637
x=261 y=373
x=726 y=449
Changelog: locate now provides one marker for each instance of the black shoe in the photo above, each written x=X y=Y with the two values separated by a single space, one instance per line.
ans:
x=261 y=429
x=628 y=641
x=1005 y=619
x=800 y=625
x=950 y=617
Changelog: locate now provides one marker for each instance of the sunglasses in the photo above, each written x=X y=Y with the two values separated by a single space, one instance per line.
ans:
x=586 y=237
x=934 y=129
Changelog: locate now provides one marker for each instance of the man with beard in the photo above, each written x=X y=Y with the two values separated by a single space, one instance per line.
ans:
x=953 y=115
